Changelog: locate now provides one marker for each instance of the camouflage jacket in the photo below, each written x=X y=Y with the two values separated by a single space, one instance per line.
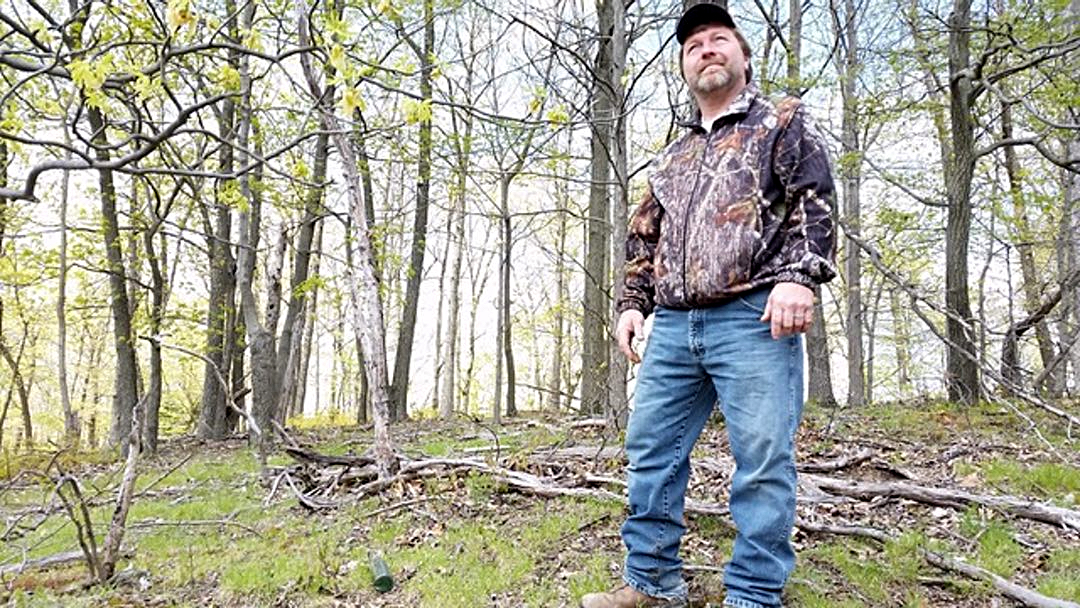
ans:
x=744 y=205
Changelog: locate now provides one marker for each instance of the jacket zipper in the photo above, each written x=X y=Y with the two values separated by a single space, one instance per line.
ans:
x=690 y=207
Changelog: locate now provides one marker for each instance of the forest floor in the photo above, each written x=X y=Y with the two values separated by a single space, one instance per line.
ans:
x=205 y=530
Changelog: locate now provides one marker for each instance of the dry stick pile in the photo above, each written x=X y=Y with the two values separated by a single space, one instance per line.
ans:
x=318 y=480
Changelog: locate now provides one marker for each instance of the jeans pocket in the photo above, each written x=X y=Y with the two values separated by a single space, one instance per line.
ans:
x=752 y=305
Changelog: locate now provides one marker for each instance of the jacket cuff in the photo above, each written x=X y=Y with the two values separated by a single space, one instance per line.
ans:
x=794 y=276
x=626 y=305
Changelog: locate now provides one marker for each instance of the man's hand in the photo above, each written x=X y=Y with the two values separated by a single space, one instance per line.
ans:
x=790 y=309
x=630 y=326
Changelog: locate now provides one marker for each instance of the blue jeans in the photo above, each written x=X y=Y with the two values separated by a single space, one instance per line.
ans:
x=692 y=358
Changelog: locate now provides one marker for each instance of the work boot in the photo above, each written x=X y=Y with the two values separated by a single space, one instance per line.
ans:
x=627 y=597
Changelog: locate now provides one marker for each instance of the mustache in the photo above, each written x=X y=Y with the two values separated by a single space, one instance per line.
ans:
x=712 y=63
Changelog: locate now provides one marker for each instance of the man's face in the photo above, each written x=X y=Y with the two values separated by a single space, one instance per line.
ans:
x=712 y=60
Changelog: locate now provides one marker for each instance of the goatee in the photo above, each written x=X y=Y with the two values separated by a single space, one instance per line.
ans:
x=713 y=81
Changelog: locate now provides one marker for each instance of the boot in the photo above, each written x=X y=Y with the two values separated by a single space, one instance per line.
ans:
x=627 y=597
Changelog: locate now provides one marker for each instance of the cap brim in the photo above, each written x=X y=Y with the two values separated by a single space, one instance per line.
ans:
x=701 y=14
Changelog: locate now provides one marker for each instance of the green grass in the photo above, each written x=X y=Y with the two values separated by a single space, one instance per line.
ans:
x=595 y=575
x=879 y=574
x=1062 y=576
x=1052 y=480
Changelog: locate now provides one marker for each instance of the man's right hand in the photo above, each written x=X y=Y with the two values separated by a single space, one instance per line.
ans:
x=631 y=323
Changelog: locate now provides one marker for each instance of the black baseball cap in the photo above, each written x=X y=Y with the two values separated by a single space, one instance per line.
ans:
x=701 y=12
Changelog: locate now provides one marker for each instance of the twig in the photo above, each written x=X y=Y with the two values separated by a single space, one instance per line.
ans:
x=196 y=522
x=394 y=507
x=217 y=372
x=274 y=488
x=161 y=477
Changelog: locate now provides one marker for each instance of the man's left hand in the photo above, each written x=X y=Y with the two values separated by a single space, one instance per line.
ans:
x=790 y=309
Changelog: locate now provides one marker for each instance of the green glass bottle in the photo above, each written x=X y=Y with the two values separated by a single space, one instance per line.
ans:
x=380 y=572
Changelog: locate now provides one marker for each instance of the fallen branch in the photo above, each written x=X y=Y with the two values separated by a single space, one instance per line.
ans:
x=394 y=507
x=313 y=457
x=589 y=423
x=43 y=562
x=1006 y=587
x=195 y=522
x=830 y=466
x=957 y=499
x=307 y=501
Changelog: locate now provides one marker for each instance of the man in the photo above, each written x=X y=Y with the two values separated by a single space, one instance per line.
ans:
x=726 y=248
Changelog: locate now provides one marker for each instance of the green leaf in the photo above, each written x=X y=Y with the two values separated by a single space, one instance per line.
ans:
x=558 y=116
x=351 y=100
x=179 y=14
x=226 y=78
x=417 y=111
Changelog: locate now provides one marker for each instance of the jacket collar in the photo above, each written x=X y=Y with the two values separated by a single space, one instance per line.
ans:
x=739 y=106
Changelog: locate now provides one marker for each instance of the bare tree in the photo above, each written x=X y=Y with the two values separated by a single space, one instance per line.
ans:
x=425 y=53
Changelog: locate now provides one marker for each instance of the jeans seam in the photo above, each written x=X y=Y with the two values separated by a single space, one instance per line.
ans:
x=789 y=466
x=680 y=436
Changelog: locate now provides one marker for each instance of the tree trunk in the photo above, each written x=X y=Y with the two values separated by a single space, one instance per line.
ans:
x=618 y=410
x=399 y=390
x=771 y=31
x=819 y=366
x=463 y=150
x=288 y=354
x=901 y=342
x=363 y=285
x=440 y=353
x=21 y=385
x=362 y=397
x=310 y=341
x=71 y=423
x=851 y=177
x=152 y=407
x=596 y=352
x=265 y=390
x=1071 y=237
x=1024 y=245
x=962 y=373
x=871 y=328
x=4 y=411
x=505 y=329
x=364 y=166
x=125 y=393
x=819 y=388
x=237 y=332
x=794 y=48
x=213 y=419
x=554 y=393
